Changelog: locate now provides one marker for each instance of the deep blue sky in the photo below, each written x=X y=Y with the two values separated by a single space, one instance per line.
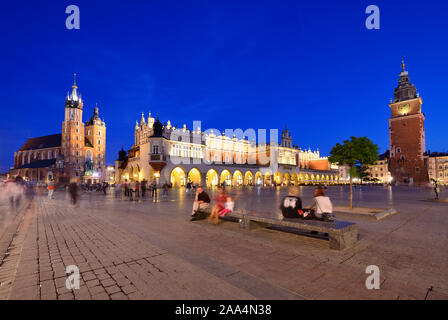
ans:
x=230 y=63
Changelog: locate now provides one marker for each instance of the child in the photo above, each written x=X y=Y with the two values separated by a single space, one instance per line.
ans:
x=220 y=201
x=228 y=207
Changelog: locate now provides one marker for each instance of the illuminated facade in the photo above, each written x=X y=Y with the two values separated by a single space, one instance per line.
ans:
x=178 y=155
x=438 y=167
x=380 y=171
x=407 y=134
x=77 y=154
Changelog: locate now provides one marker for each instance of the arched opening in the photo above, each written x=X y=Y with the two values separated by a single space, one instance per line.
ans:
x=226 y=178
x=177 y=177
x=287 y=179
x=258 y=178
x=327 y=178
x=278 y=178
x=237 y=178
x=136 y=176
x=212 y=178
x=268 y=179
x=294 y=179
x=313 y=177
x=88 y=155
x=248 y=179
x=317 y=178
x=301 y=178
x=194 y=176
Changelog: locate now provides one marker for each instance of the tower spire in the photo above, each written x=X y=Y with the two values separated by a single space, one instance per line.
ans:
x=403 y=65
x=74 y=81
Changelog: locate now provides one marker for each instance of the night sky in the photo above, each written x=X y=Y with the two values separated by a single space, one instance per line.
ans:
x=230 y=63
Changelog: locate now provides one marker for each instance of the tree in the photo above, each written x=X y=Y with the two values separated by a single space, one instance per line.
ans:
x=358 y=151
x=363 y=173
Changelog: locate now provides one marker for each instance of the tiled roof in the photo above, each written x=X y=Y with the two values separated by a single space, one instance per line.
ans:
x=38 y=164
x=51 y=141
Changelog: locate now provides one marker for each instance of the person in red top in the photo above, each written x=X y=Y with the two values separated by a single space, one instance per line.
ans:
x=220 y=201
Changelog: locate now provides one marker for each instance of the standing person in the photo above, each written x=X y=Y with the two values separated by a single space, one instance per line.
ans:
x=14 y=192
x=131 y=189
x=154 y=189
x=137 y=189
x=291 y=205
x=50 y=189
x=105 y=185
x=126 y=188
x=73 y=190
x=165 y=189
x=436 y=190
x=30 y=192
x=143 y=187
x=201 y=202
x=188 y=187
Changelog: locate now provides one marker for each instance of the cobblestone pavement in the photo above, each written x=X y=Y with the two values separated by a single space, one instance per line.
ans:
x=150 y=250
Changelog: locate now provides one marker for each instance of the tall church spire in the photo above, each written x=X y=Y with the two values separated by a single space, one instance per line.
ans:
x=73 y=99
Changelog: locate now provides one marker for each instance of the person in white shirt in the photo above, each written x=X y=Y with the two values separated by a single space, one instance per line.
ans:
x=321 y=205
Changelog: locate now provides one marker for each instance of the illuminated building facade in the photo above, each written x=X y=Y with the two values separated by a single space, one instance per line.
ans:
x=438 y=167
x=179 y=155
x=77 y=154
x=407 y=134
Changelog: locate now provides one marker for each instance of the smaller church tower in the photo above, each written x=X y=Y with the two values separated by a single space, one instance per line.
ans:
x=72 y=138
x=96 y=145
x=286 y=138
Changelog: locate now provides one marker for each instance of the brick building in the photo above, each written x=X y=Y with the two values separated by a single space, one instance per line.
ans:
x=407 y=134
x=77 y=154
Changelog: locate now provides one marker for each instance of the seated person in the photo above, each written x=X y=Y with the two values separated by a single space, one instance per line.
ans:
x=292 y=205
x=321 y=206
x=228 y=207
x=220 y=201
x=201 y=202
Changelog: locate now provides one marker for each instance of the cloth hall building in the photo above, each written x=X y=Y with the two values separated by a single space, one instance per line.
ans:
x=178 y=155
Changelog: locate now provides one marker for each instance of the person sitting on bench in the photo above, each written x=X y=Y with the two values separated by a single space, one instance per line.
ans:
x=321 y=207
x=201 y=202
x=292 y=205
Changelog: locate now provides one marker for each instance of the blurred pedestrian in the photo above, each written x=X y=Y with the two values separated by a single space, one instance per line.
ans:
x=50 y=188
x=143 y=187
x=220 y=201
x=154 y=190
x=73 y=191
x=137 y=189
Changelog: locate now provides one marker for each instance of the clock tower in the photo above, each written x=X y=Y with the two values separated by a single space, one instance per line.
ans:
x=407 y=134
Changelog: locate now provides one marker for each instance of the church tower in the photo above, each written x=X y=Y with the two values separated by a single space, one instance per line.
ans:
x=407 y=133
x=95 y=146
x=286 y=140
x=72 y=137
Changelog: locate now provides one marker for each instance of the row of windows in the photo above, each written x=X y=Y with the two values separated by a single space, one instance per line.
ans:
x=185 y=151
x=39 y=156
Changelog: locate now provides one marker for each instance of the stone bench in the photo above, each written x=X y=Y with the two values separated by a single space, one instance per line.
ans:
x=341 y=234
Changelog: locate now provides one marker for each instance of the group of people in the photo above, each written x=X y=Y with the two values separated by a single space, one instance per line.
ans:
x=320 y=207
x=138 y=189
x=224 y=204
